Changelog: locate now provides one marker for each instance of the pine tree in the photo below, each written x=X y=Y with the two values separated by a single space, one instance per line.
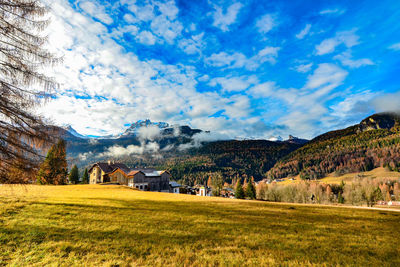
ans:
x=74 y=175
x=250 y=189
x=209 y=182
x=245 y=185
x=85 y=177
x=216 y=182
x=239 y=192
x=54 y=168
x=340 y=198
x=23 y=86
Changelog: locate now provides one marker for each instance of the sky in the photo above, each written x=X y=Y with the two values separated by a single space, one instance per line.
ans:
x=244 y=69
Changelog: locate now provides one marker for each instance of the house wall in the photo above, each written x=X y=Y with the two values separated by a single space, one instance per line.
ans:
x=164 y=183
x=95 y=175
x=118 y=177
x=152 y=183
x=139 y=178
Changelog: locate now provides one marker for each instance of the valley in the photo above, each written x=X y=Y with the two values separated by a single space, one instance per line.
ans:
x=191 y=155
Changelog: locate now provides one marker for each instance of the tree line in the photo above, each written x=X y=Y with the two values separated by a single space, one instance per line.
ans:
x=360 y=191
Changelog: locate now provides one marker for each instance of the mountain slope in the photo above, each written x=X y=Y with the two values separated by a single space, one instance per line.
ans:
x=233 y=159
x=374 y=142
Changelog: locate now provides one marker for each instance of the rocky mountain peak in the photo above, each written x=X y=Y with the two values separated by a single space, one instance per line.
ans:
x=379 y=121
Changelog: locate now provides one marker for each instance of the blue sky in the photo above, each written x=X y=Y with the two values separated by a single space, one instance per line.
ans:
x=245 y=69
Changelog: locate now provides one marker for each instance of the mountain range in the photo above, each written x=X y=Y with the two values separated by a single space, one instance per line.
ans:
x=191 y=155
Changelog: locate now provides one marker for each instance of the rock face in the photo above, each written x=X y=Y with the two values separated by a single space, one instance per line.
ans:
x=295 y=140
x=379 y=121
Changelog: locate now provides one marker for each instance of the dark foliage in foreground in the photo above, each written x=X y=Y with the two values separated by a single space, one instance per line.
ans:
x=21 y=132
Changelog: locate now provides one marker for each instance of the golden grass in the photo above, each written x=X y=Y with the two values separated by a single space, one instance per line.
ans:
x=347 y=178
x=94 y=225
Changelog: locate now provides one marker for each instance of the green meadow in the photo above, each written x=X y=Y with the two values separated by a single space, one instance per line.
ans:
x=95 y=225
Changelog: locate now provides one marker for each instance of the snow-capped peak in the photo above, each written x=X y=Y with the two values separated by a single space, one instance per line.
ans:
x=134 y=128
x=73 y=131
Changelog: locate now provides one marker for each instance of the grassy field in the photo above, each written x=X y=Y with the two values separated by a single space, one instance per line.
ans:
x=347 y=178
x=112 y=225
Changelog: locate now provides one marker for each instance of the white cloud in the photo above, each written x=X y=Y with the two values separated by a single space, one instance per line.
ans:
x=267 y=54
x=303 y=68
x=266 y=23
x=346 y=59
x=146 y=37
x=387 y=102
x=224 y=20
x=130 y=19
x=333 y=11
x=150 y=132
x=348 y=38
x=395 y=47
x=85 y=156
x=143 y=13
x=304 y=108
x=353 y=105
x=162 y=17
x=223 y=59
x=168 y=9
x=199 y=138
x=106 y=87
x=263 y=90
x=120 y=151
x=203 y=78
x=234 y=84
x=239 y=60
x=326 y=75
x=303 y=32
x=164 y=27
x=193 y=45
x=96 y=10
x=238 y=106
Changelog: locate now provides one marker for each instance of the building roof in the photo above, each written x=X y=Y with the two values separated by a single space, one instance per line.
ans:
x=112 y=167
x=174 y=184
x=150 y=172
x=108 y=168
x=132 y=173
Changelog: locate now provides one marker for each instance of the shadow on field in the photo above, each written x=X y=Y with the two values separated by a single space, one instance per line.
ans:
x=144 y=228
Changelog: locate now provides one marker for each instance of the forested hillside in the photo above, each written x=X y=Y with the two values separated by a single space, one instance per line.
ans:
x=373 y=143
x=231 y=159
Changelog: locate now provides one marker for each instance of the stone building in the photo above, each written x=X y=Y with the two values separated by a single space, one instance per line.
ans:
x=145 y=179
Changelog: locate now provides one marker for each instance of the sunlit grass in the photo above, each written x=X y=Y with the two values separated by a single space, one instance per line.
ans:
x=112 y=225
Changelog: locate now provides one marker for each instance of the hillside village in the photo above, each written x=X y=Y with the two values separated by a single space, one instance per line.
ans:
x=144 y=179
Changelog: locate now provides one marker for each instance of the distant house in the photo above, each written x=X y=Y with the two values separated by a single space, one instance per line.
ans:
x=203 y=191
x=145 y=179
x=227 y=192
x=175 y=187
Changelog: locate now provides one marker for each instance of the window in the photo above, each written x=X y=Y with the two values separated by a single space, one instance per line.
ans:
x=141 y=187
